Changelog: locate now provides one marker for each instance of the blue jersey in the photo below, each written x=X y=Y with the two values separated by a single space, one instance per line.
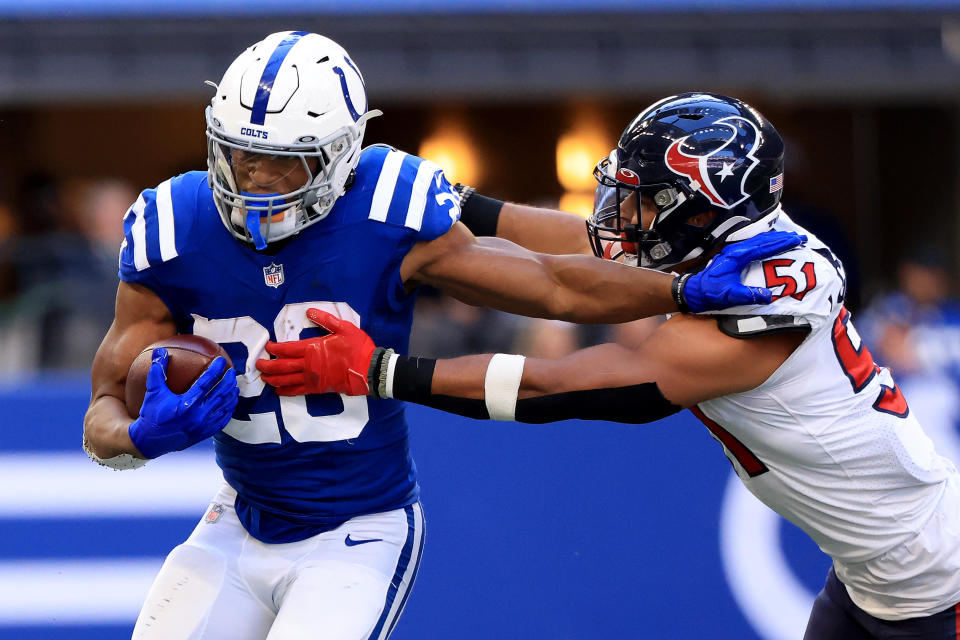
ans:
x=305 y=464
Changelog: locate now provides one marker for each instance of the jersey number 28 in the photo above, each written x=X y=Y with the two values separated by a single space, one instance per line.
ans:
x=262 y=428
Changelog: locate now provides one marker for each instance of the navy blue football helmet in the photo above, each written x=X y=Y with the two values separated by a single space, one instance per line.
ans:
x=689 y=154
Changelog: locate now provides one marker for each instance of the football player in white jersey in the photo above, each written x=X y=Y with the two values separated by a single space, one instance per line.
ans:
x=812 y=426
x=317 y=530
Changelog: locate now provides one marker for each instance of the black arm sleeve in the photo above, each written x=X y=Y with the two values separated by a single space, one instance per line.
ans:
x=635 y=404
x=479 y=213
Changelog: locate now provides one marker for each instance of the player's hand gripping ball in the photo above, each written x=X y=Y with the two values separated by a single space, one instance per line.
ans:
x=183 y=389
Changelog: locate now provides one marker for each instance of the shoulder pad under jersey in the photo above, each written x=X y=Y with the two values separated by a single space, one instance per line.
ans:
x=157 y=227
x=808 y=285
x=751 y=326
x=403 y=190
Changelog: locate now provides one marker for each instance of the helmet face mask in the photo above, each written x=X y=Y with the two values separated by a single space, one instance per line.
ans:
x=708 y=170
x=295 y=96
x=617 y=231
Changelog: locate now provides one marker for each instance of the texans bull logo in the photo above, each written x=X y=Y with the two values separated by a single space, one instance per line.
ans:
x=721 y=174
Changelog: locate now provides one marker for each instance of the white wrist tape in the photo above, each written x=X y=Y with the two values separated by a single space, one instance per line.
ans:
x=121 y=462
x=387 y=390
x=502 y=385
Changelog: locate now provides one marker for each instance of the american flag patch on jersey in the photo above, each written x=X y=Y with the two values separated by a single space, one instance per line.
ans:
x=776 y=183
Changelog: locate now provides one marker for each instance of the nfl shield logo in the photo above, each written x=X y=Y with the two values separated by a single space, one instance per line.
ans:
x=273 y=275
x=214 y=514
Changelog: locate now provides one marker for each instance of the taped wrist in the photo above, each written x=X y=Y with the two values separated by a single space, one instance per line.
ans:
x=479 y=213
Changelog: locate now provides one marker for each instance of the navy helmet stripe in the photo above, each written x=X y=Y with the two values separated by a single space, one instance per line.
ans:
x=259 y=113
x=346 y=91
x=354 y=67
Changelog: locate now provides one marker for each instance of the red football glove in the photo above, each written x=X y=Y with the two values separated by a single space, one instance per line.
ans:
x=335 y=363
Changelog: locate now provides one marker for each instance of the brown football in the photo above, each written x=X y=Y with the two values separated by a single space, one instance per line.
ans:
x=189 y=356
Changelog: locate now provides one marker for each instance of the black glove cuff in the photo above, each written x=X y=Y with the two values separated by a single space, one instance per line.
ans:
x=676 y=289
x=479 y=213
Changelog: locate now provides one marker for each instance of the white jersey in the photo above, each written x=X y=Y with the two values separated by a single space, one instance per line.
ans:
x=829 y=443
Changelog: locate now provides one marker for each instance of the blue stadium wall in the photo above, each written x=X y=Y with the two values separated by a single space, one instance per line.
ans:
x=571 y=531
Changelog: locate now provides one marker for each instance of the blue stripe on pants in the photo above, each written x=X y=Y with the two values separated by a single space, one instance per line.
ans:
x=402 y=564
x=413 y=576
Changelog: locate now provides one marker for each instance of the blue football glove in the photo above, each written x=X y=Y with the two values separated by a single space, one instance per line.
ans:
x=718 y=286
x=170 y=422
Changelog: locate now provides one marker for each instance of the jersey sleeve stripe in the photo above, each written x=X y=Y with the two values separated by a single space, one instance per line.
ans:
x=168 y=247
x=138 y=232
x=418 y=196
x=386 y=184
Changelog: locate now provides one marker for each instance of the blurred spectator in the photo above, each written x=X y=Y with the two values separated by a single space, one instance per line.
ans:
x=445 y=328
x=58 y=273
x=915 y=331
x=541 y=338
x=104 y=204
x=8 y=228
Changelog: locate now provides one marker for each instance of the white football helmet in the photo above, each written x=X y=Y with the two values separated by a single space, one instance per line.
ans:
x=292 y=96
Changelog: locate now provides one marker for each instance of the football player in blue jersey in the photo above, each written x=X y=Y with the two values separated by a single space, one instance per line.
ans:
x=317 y=530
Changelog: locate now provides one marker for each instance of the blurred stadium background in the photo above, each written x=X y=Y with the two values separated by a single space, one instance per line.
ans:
x=574 y=531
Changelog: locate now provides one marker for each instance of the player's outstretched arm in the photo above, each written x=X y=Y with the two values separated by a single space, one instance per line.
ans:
x=109 y=433
x=687 y=360
x=534 y=228
x=496 y=273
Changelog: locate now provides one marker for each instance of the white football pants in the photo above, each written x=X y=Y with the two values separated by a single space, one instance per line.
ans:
x=224 y=584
